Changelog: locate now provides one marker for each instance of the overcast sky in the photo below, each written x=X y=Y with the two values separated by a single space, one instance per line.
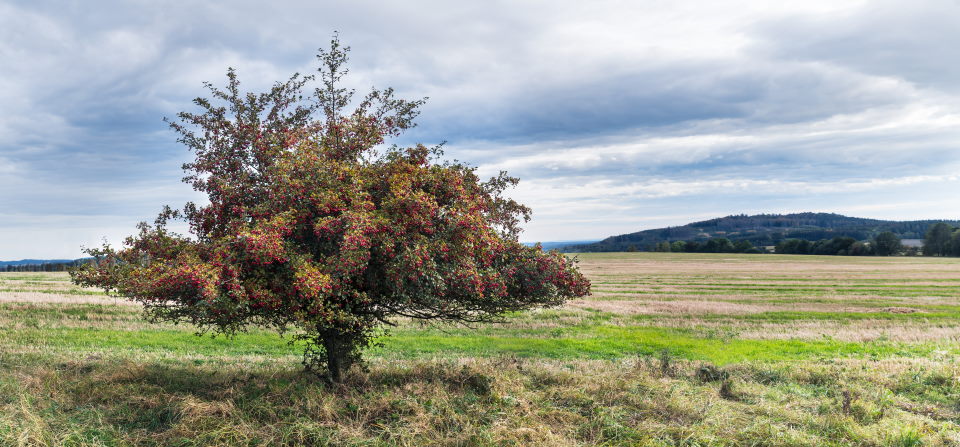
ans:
x=618 y=116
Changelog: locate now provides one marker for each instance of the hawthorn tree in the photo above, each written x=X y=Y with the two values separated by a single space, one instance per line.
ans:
x=314 y=224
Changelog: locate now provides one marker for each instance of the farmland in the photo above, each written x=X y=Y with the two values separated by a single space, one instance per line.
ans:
x=671 y=349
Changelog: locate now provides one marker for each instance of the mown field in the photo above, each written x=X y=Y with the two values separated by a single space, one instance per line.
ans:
x=671 y=349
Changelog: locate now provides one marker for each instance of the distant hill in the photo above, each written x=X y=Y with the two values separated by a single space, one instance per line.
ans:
x=764 y=229
x=35 y=262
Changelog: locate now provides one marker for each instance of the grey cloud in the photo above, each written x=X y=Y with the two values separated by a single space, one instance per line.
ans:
x=914 y=41
x=558 y=93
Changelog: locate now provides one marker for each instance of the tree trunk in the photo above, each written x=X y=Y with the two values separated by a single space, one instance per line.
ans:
x=337 y=347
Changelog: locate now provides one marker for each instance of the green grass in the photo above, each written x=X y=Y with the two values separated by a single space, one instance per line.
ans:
x=165 y=341
x=593 y=342
x=612 y=342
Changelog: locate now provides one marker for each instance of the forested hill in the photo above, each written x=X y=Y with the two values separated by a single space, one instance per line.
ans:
x=764 y=229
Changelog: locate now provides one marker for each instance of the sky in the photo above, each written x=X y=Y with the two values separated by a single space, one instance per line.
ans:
x=617 y=116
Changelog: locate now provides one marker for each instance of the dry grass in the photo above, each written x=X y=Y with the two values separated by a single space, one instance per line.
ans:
x=57 y=391
x=479 y=402
x=679 y=290
x=650 y=306
x=57 y=298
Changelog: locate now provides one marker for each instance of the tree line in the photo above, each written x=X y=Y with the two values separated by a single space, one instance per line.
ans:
x=940 y=239
x=44 y=267
x=715 y=245
x=884 y=244
x=764 y=230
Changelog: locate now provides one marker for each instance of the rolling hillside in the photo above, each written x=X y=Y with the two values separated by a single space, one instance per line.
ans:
x=763 y=229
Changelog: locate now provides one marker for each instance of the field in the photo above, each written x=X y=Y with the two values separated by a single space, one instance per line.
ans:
x=671 y=349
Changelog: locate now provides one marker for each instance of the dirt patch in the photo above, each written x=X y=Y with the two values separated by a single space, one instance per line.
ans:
x=900 y=310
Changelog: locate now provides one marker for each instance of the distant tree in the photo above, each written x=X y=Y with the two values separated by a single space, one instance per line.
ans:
x=860 y=248
x=936 y=242
x=837 y=246
x=742 y=246
x=631 y=248
x=955 y=243
x=784 y=247
x=887 y=244
x=692 y=246
x=662 y=247
x=678 y=246
x=792 y=247
x=313 y=224
x=718 y=245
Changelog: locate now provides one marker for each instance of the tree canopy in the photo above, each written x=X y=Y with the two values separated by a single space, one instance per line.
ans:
x=315 y=225
x=887 y=244
x=936 y=242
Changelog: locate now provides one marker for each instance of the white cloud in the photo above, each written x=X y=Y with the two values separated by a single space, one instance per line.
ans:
x=617 y=115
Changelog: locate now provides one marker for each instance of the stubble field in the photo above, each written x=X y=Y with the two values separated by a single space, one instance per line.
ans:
x=671 y=349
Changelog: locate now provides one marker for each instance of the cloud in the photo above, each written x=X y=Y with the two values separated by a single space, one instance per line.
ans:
x=908 y=41
x=602 y=208
x=616 y=115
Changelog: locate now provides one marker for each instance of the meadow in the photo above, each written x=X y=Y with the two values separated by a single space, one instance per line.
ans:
x=671 y=349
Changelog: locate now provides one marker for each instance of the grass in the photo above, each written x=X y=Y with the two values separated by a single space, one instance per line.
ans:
x=673 y=349
x=617 y=342
x=593 y=342
x=117 y=400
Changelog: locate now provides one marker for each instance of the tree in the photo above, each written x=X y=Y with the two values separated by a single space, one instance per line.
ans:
x=315 y=225
x=860 y=248
x=743 y=246
x=887 y=244
x=678 y=246
x=718 y=245
x=662 y=247
x=839 y=245
x=955 y=243
x=786 y=247
x=936 y=242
